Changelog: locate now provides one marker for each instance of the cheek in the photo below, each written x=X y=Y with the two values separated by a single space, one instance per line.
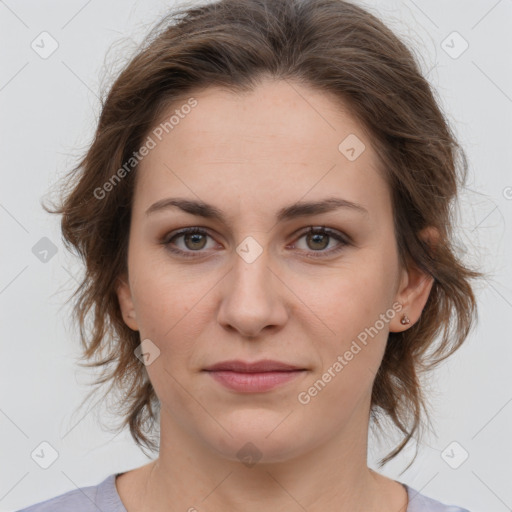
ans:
x=354 y=306
x=171 y=308
x=351 y=298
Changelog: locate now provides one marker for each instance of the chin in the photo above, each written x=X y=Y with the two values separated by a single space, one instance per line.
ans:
x=259 y=437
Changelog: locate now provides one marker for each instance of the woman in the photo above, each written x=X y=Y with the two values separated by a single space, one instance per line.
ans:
x=264 y=216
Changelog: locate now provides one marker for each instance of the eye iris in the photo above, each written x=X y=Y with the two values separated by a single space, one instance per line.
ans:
x=316 y=239
x=194 y=237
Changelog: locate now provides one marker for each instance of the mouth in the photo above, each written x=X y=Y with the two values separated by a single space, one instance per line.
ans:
x=263 y=366
x=254 y=377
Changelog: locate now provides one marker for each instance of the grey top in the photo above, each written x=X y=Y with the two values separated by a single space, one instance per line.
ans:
x=105 y=498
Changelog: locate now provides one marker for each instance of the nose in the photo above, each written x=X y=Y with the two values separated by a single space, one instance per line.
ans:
x=252 y=297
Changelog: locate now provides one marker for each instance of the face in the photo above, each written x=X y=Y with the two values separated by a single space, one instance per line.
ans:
x=252 y=283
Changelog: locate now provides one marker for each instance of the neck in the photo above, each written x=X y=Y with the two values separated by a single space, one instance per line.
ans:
x=330 y=477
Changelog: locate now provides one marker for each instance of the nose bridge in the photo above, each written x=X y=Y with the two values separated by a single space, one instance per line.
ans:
x=251 y=273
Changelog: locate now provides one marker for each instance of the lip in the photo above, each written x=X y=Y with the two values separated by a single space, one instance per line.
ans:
x=264 y=365
x=256 y=377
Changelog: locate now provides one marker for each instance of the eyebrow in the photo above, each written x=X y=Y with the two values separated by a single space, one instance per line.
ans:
x=301 y=209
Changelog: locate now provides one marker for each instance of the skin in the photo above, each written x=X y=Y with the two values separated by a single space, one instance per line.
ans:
x=249 y=155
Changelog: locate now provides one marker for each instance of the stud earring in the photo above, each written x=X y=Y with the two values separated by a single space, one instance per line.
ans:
x=405 y=320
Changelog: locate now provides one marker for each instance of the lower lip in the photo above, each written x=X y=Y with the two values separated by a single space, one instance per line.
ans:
x=254 y=382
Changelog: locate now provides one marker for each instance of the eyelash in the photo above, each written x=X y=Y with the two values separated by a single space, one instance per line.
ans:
x=311 y=230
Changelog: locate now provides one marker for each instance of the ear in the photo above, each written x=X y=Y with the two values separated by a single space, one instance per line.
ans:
x=415 y=287
x=124 y=295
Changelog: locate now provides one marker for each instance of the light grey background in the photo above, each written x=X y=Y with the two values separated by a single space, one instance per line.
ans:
x=49 y=108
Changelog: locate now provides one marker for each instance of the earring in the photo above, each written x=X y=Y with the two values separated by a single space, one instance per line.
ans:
x=405 y=320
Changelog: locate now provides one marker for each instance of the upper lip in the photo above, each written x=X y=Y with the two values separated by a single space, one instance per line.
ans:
x=265 y=365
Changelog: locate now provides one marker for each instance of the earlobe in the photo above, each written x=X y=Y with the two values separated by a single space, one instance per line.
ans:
x=126 y=304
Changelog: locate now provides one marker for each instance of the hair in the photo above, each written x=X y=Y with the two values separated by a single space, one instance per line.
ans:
x=331 y=46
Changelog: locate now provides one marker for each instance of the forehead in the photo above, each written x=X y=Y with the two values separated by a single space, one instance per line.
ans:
x=280 y=142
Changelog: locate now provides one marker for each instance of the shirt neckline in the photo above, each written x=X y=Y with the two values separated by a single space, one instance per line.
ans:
x=114 y=499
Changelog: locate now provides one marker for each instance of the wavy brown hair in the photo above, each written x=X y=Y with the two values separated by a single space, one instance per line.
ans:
x=332 y=46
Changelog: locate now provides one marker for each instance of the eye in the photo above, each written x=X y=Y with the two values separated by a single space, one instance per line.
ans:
x=194 y=240
x=318 y=238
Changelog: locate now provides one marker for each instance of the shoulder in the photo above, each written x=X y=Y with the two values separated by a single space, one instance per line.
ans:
x=421 y=503
x=102 y=496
